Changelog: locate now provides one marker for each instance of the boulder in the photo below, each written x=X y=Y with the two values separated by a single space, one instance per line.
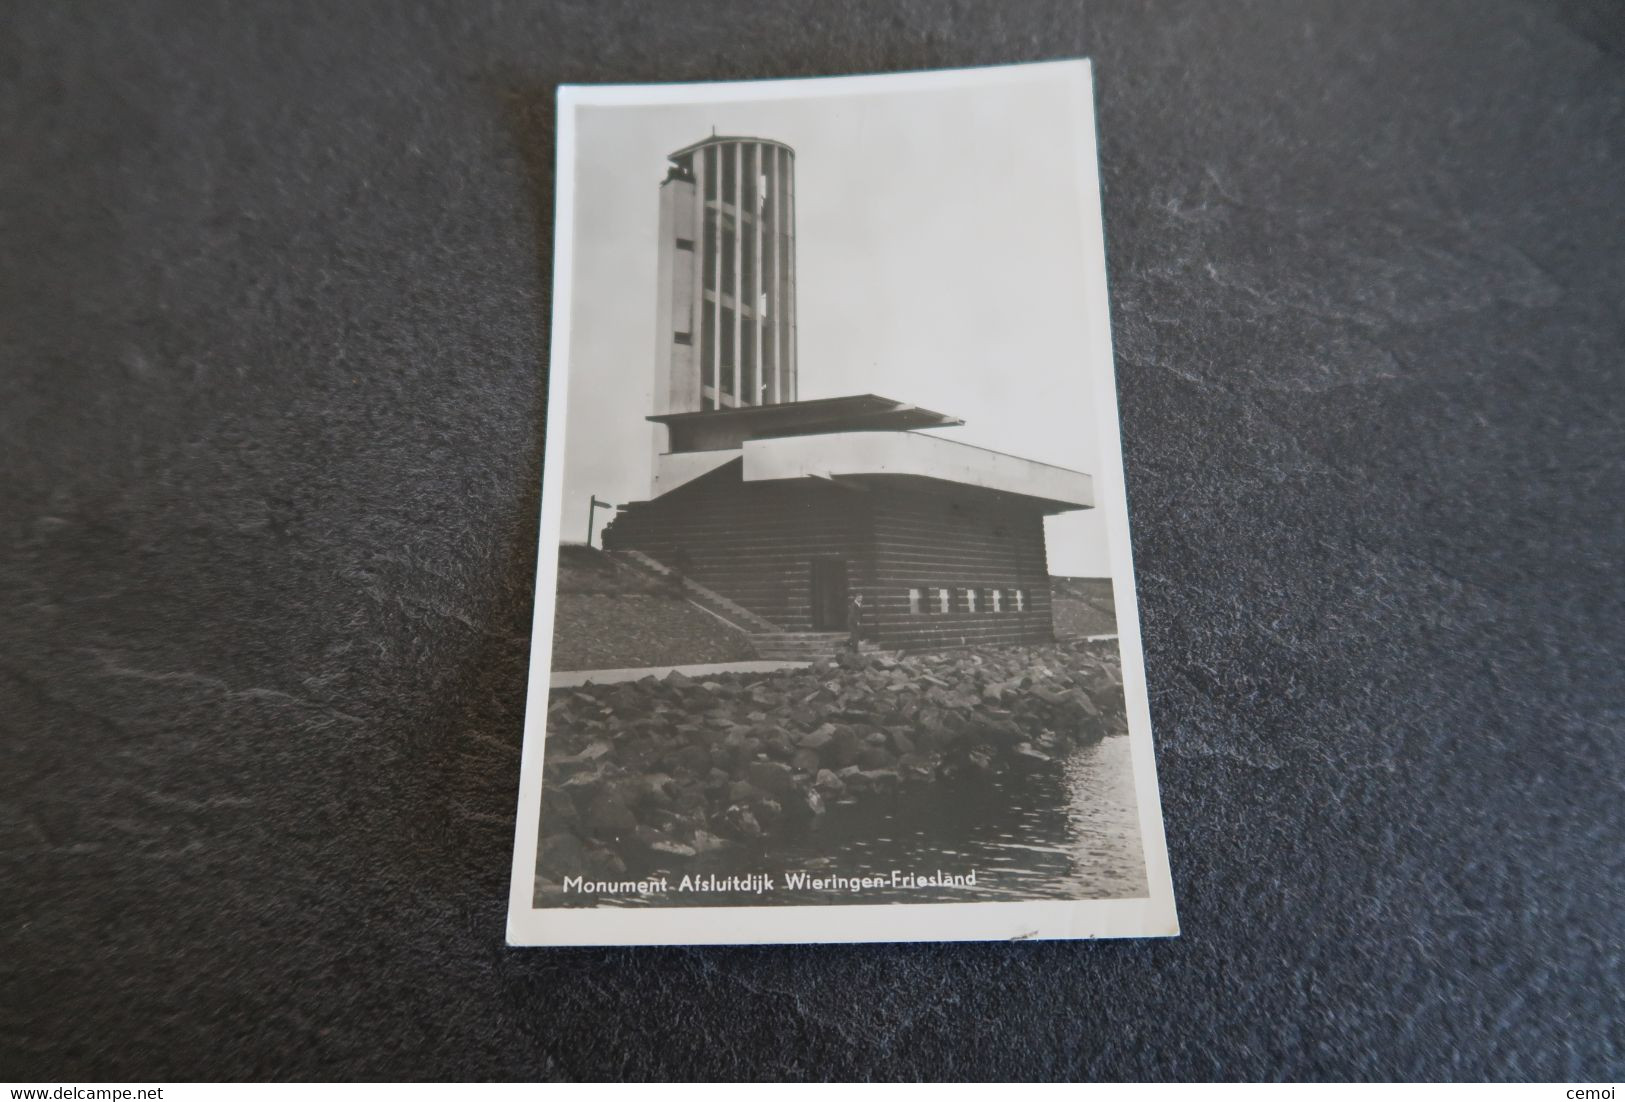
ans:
x=817 y=740
x=655 y=789
x=771 y=777
x=673 y=848
x=803 y=803
x=608 y=817
x=557 y=806
x=778 y=745
x=693 y=759
x=828 y=783
x=843 y=748
x=740 y=823
x=706 y=842
x=881 y=780
x=604 y=862
x=916 y=767
x=562 y=854
x=875 y=757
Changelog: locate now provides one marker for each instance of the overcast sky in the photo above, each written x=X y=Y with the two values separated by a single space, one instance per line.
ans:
x=940 y=261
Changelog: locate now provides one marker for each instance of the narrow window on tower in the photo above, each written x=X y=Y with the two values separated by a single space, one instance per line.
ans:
x=708 y=344
x=769 y=368
x=1018 y=598
x=970 y=600
x=945 y=600
x=708 y=254
x=728 y=352
x=995 y=600
x=728 y=256
x=916 y=601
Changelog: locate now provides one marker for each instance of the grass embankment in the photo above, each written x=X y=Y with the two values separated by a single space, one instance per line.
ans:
x=609 y=617
x=1082 y=606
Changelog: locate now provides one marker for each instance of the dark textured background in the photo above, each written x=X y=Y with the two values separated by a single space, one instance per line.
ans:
x=273 y=319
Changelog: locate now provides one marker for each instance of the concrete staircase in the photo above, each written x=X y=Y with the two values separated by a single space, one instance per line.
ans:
x=709 y=599
x=770 y=640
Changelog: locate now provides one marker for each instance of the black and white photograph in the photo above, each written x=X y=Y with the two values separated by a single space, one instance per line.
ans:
x=896 y=541
x=834 y=595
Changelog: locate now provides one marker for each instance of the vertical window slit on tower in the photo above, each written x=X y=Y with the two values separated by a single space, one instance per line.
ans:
x=714 y=360
x=756 y=395
x=790 y=278
x=736 y=160
x=699 y=315
x=728 y=351
x=772 y=214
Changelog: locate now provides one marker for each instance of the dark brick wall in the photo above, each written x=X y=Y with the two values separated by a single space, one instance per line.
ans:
x=967 y=541
x=755 y=542
x=752 y=542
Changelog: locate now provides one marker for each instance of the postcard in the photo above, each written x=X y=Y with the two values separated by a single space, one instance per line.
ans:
x=835 y=633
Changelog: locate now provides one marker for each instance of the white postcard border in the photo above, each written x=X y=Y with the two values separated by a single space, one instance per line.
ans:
x=1153 y=916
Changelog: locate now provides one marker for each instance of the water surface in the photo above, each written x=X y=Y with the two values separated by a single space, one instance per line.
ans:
x=1061 y=830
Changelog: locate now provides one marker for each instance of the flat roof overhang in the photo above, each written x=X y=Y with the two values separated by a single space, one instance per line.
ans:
x=713 y=429
x=910 y=457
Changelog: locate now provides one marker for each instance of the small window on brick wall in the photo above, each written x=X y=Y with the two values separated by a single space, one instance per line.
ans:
x=916 y=601
x=970 y=600
x=945 y=600
x=1018 y=599
x=995 y=600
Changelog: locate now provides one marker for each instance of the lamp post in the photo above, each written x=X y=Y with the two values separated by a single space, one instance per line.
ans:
x=593 y=505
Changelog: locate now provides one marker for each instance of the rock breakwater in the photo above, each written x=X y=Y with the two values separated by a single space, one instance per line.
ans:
x=663 y=772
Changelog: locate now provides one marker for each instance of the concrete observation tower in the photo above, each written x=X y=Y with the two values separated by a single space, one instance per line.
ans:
x=725 y=312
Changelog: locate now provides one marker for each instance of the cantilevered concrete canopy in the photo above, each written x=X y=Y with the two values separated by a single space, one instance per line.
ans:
x=717 y=429
x=860 y=456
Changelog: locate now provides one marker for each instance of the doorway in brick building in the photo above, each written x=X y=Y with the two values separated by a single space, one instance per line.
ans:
x=828 y=594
